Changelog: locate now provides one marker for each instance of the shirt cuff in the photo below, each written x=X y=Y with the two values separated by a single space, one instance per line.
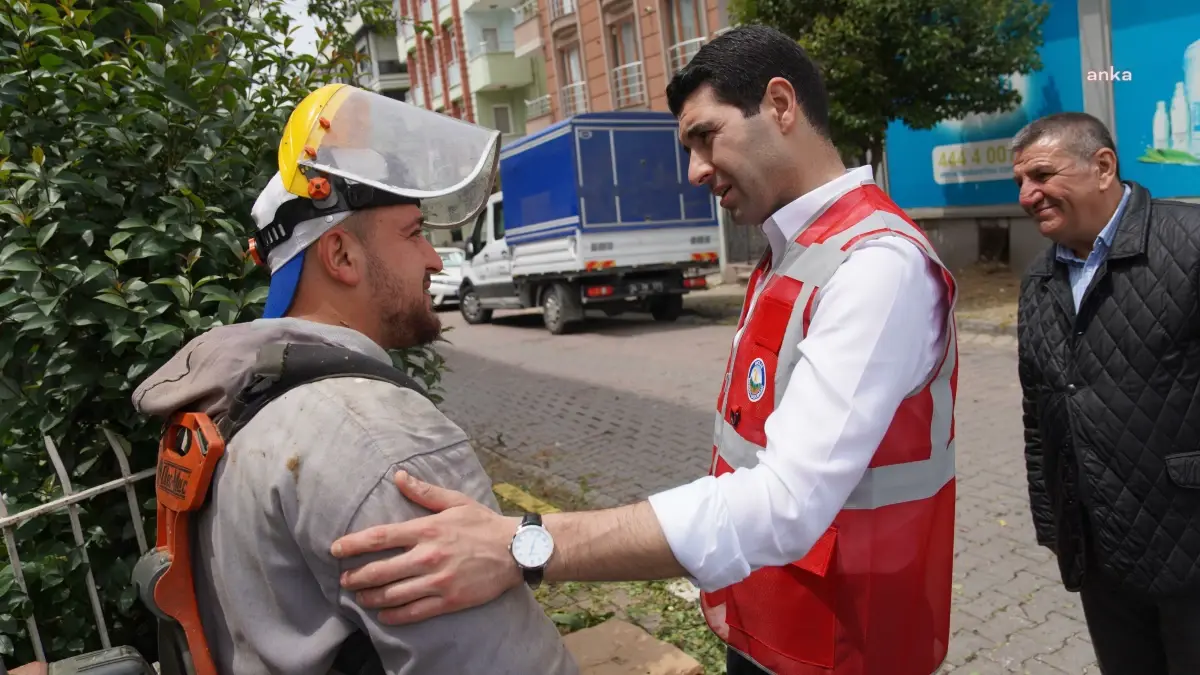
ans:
x=696 y=523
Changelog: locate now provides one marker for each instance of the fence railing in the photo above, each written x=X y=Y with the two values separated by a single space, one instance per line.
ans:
x=574 y=99
x=69 y=502
x=561 y=8
x=629 y=85
x=682 y=52
x=537 y=107
x=484 y=47
x=525 y=11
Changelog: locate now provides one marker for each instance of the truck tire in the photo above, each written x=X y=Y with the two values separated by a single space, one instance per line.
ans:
x=558 y=311
x=469 y=306
x=666 y=307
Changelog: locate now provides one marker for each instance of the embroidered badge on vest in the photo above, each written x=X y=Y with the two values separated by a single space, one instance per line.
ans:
x=756 y=380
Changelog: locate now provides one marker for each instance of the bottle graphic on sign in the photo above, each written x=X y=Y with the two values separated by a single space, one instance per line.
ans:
x=1162 y=128
x=1180 y=138
x=1175 y=137
x=1191 y=76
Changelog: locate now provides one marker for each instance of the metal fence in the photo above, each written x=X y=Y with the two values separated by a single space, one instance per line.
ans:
x=69 y=503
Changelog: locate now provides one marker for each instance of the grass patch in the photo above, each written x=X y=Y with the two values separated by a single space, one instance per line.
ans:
x=650 y=605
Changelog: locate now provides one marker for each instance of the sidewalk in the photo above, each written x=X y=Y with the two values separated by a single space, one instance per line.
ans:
x=987 y=300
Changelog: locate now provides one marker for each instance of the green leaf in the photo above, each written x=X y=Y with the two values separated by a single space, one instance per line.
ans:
x=157 y=331
x=8 y=297
x=45 y=233
x=113 y=299
x=50 y=62
x=19 y=265
x=152 y=12
x=258 y=295
x=118 y=238
x=133 y=223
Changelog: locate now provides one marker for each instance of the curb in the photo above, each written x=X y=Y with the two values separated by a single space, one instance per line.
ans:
x=987 y=327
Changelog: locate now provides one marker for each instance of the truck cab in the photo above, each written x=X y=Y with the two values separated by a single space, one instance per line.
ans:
x=487 y=277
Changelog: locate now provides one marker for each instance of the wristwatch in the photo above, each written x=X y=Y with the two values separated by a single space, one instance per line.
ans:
x=532 y=547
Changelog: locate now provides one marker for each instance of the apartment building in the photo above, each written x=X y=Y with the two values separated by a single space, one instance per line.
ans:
x=468 y=67
x=601 y=55
x=380 y=66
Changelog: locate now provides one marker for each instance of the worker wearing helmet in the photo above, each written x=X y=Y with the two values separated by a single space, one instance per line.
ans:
x=340 y=229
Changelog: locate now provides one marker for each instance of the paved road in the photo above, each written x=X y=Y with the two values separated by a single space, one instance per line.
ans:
x=625 y=409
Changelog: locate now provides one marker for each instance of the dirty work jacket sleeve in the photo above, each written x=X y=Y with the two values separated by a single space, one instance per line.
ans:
x=873 y=339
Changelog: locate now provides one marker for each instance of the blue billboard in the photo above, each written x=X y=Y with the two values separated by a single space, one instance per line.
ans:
x=1157 y=103
x=965 y=162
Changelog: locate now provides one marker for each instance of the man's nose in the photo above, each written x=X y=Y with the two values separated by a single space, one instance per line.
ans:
x=1029 y=196
x=433 y=261
x=699 y=170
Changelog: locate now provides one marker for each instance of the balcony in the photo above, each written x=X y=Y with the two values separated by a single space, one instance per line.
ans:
x=562 y=15
x=393 y=75
x=538 y=107
x=416 y=96
x=479 y=6
x=681 y=52
x=453 y=74
x=527 y=35
x=426 y=13
x=493 y=66
x=573 y=98
x=629 y=85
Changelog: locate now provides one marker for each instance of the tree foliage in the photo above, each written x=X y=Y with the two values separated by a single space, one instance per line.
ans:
x=134 y=138
x=918 y=61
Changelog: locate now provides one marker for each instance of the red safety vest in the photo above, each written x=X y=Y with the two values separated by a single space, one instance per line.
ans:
x=872 y=596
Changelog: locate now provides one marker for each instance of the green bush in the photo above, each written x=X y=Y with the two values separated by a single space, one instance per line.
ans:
x=134 y=138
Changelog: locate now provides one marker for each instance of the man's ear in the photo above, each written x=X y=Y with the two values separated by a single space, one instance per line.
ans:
x=339 y=255
x=780 y=101
x=1105 y=164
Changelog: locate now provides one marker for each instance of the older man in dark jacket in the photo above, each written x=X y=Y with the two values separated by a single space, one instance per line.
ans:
x=1109 y=354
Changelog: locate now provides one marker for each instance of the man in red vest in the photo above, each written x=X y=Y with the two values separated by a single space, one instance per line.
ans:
x=823 y=538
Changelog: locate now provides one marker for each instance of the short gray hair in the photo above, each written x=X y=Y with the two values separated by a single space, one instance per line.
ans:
x=1081 y=134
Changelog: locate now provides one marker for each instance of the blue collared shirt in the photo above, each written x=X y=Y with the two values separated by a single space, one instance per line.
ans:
x=1081 y=271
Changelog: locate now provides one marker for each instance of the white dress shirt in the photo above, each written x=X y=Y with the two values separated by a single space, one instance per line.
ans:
x=874 y=338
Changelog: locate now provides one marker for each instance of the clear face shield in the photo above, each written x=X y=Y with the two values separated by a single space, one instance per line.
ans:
x=448 y=164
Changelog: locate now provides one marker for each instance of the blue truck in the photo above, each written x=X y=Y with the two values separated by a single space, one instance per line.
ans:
x=595 y=213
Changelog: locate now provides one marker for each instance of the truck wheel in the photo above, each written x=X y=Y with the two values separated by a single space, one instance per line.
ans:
x=666 y=307
x=556 y=309
x=471 y=310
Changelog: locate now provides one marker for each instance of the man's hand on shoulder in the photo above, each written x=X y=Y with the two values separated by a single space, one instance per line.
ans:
x=457 y=558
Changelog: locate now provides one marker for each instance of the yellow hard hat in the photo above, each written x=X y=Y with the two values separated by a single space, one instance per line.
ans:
x=447 y=165
x=305 y=129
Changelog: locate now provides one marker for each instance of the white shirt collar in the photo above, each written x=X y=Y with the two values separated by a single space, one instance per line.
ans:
x=786 y=224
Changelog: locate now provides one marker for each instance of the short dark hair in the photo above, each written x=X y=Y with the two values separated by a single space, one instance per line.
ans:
x=740 y=62
x=1082 y=135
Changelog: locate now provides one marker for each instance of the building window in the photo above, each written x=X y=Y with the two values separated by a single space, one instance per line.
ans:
x=684 y=29
x=502 y=118
x=573 y=93
x=623 y=42
x=628 y=83
x=685 y=20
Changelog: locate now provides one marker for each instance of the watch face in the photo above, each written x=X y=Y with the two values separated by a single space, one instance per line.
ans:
x=532 y=546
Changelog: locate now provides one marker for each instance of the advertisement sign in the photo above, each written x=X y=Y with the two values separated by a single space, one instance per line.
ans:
x=1157 y=107
x=965 y=162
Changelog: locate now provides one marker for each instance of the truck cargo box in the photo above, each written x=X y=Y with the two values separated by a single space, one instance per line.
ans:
x=600 y=191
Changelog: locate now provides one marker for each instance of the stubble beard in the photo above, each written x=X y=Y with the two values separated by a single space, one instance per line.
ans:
x=407 y=321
